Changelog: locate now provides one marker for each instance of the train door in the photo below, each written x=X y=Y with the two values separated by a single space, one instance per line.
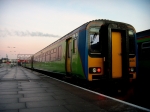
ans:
x=114 y=52
x=68 y=56
x=116 y=55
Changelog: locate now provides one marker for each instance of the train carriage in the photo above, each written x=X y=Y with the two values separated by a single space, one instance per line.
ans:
x=143 y=41
x=98 y=49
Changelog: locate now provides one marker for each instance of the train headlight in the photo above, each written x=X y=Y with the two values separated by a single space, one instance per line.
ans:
x=95 y=70
x=130 y=33
x=132 y=69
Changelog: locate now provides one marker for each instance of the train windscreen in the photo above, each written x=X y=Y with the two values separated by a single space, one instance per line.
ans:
x=94 y=40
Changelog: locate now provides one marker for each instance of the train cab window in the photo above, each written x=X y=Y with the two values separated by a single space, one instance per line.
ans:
x=131 y=43
x=94 y=40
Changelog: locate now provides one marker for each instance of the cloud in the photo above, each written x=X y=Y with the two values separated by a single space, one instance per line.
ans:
x=5 y=33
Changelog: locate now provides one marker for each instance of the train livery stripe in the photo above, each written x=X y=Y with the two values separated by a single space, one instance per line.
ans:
x=143 y=39
x=82 y=52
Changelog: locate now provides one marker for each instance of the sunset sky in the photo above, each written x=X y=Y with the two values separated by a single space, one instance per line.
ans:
x=27 y=26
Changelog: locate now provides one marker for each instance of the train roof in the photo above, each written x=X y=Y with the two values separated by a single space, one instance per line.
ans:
x=83 y=26
x=143 y=33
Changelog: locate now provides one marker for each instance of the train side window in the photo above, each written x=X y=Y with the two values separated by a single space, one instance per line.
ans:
x=51 y=51
x=54 y=50
x=47 y=56
x=59 y=52
x=52 y=55
x=146 y=45
x=43 y=57
x=145 y=51
x=38 y=58
x=56 y=53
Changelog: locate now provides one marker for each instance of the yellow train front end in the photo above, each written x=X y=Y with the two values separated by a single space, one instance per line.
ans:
x=111 y=52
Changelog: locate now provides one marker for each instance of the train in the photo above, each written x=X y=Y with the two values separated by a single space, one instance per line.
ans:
x=99 y=50
x=143 y=41
x=143 y=77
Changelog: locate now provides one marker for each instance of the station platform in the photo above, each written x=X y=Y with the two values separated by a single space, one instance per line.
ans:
x=23 y=90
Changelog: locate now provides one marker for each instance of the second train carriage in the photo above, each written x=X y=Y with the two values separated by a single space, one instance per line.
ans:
x=143 y=41
x=99 y=49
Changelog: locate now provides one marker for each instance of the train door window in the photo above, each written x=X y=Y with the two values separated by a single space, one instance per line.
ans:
x=94 y=45
x=131 y=43
x=59 y=52
x=74 y=42
x=69 y=50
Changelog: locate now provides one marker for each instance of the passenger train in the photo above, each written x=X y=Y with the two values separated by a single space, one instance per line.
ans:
x=143 y=41
x=97 y=50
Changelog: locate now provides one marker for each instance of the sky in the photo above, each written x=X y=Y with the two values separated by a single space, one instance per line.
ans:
x=27 y=26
